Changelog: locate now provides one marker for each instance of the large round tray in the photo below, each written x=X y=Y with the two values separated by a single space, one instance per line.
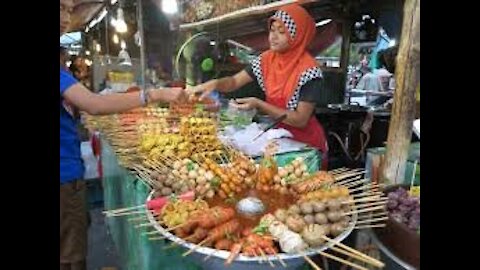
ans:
x=218 y=257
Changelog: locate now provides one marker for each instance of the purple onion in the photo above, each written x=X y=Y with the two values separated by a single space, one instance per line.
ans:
x=397 y=216
x=410 y=201
x=393 y=196
x=416 y=217
x=414 y=224
x=392 y=205
x=404 y=208
x=401 y=191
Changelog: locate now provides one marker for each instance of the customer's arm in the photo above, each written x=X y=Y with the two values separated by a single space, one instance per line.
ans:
x=96 y=104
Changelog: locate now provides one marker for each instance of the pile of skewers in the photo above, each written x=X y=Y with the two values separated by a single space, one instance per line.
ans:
x=302 y=228
x=328 y=204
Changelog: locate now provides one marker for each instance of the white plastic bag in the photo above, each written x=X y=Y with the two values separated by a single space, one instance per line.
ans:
x=89 y=161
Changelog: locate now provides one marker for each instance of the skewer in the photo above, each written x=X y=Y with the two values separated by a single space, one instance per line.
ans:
x=123 y=209
x=365 y=199
x=312 y=263
x=367 y=194
x=195 y=247
x=141 y=218
x=356 y=183
x=143 y=225
x=338 y=170
x=172 y=245
x=150 y=233
x=372 y=215
x=176 y=227
x=371 y=220
x=266 y=258
x=210 y=255
x=157 y=238
x=280 y=260
x=370 y=226
x=260 y=261
x=335 y=258
x=144 y=217
x=363 y=210
x=348 y=175
x=367 y=186
x=189 y=237
x=347 y=180
x=126 y=213
x=362 y=206
x=352 y=255
x=373 y=261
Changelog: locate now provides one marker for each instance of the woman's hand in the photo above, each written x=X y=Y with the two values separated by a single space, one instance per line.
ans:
x=173 y=94
x=249 y=103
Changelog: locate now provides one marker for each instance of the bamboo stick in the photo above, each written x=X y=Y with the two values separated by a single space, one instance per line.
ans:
x=353 y=265
x=374 y=262
x=370 y=226
x=371 y=220
x=363 y=210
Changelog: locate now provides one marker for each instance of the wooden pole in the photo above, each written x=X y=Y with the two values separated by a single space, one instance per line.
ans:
x=407 y=77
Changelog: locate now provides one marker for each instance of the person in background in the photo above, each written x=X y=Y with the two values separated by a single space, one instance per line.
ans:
x=387 y=59
x=80 y=69
x=63 y=57
x=73 y=212
x=288 y=75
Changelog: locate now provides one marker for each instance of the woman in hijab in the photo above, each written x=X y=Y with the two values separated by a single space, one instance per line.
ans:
x=288 y=75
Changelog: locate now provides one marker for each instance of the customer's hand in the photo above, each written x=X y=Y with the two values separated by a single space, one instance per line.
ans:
x=249 y=103
x=203 y=89
x=170 y=95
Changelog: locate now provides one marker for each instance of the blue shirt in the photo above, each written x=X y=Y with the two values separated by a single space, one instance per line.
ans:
x=71 y=163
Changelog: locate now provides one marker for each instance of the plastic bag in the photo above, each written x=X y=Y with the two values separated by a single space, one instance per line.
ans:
x=239 y=117
x=89 y=160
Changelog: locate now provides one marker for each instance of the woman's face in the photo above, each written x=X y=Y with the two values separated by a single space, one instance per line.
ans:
x=278 y=37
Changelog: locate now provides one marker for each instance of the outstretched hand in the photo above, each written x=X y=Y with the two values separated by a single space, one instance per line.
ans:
x=170 y=95
x=203 y=90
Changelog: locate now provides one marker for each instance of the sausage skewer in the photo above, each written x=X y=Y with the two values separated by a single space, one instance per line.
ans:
x=217 y=233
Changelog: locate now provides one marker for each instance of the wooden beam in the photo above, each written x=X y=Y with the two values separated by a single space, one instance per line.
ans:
x=407 y=77
x=242 y=13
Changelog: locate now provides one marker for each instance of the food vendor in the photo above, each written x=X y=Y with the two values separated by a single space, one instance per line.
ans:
x=288 y=75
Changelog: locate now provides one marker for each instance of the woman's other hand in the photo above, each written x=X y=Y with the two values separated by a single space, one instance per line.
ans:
x=249 y=103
